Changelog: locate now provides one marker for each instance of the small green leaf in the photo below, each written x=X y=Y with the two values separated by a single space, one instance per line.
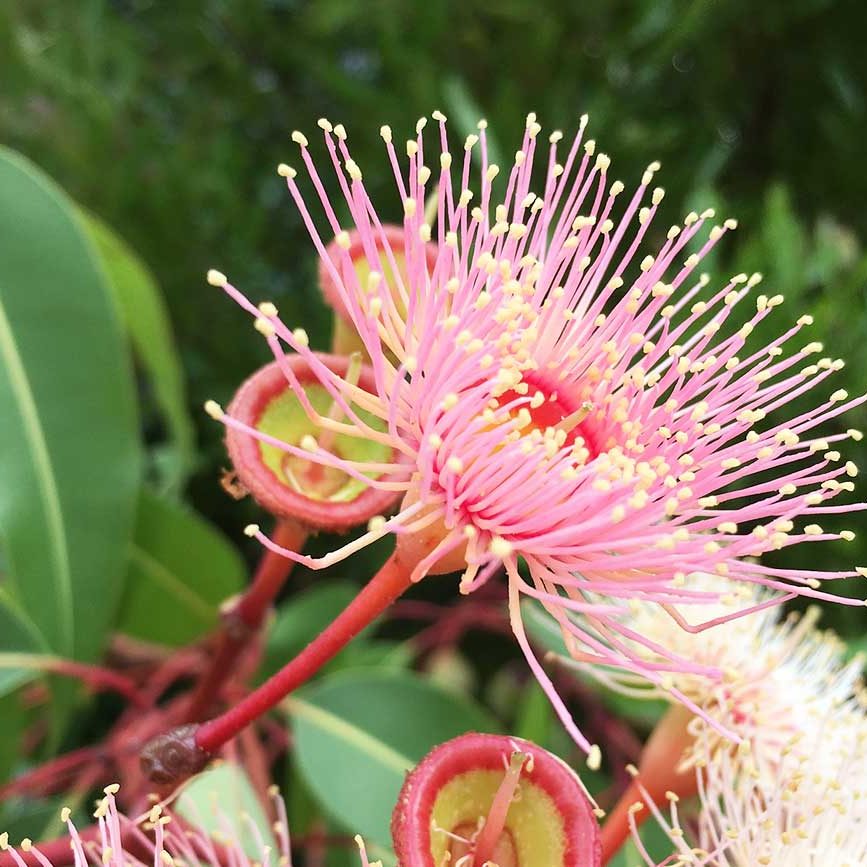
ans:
x=217 y=801
x=181 y=569
x=69 y=446
x=147 y=322
x=359 y=732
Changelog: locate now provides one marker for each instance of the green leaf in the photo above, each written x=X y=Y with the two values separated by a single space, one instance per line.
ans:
x=15 y=719
x=785 y=244
x=300 y=619
x=69 y=450
x=359 y=732
x=544 y=630
x=466 y=114
x=217 y=801
x=535 y=714
x=18 y=634
x=653 y=837
x=181 y=569
x=146 y=319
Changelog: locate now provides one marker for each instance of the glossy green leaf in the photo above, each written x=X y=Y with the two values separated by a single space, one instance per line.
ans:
x=217 y=801
x=69 y=450
x=181 y=569
x=358 y=733
x=147 y=321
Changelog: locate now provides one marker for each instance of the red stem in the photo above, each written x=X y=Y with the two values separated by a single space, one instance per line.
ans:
x=97 y=678
x=49 y=774
x=271 y=574
x=388 y=584
x=246 y=616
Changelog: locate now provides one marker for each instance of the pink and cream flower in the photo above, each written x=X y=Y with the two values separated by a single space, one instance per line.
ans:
x=813 y=812
x=553 y=393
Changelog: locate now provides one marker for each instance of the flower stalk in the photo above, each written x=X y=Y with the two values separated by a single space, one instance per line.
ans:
x=168 y=759
x=244 y=615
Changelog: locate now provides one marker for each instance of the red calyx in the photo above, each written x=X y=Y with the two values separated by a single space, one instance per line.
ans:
x=557 y=793
x=274 y=494
x=394 y=236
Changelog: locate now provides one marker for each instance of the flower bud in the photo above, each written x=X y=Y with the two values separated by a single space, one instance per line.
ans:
x=391 y=247
x=294 y=486
x=494 y=798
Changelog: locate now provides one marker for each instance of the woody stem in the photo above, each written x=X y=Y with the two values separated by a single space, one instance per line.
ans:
x=169 y=758
x=245 y=616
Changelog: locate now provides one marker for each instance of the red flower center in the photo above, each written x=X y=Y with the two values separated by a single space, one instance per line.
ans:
x=557 y=410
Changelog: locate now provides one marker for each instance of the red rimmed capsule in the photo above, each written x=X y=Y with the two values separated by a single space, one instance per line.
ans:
x=291 y=487
x=391 y=248
x=494 y=798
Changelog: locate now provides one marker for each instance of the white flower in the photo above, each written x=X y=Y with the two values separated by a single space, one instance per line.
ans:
x=813 y=815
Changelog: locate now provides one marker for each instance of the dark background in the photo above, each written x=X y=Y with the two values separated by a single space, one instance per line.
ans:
x=167 y=120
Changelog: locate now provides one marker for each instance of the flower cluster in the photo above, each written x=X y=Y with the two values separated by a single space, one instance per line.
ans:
x=813 y=812
x=780 y=677
x=552 y=392
x=158 y=837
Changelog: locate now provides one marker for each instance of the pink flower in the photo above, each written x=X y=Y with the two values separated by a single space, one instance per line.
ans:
x=158 y=837
x=561 y=396
x=813 y=811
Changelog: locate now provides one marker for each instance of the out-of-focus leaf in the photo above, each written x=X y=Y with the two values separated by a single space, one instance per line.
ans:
x=785 y=244
x=14 y=717
x=835 y=250
x=181 y=568
x=300 y=619
x=654 y=839
x=359 y=732
x=535 y=715
x=449 y=668
x=219 y=799
x=383 y=655
x=38 y=819
x=544 y=630
x=18 y=634
x=466 y=114
x=69 y=450
x=146 y=319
